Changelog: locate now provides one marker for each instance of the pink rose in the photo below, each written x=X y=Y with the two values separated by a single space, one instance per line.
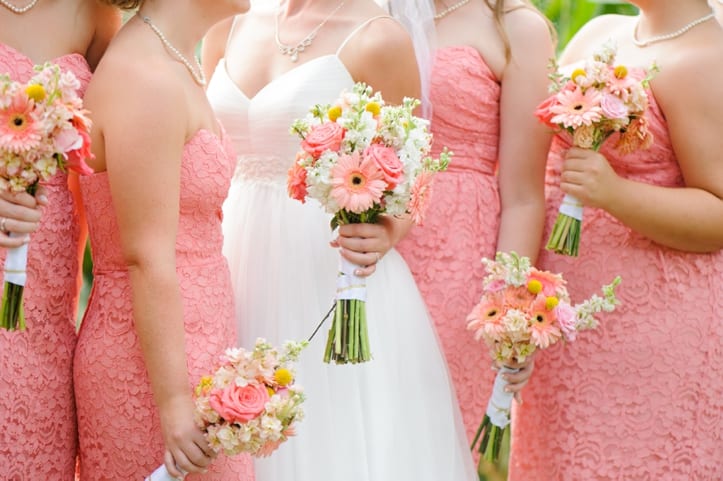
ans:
x=296 y=182
x=566 y=317
x=613 y=107
x=327 y=136
x=240 y=404
x=388 y=162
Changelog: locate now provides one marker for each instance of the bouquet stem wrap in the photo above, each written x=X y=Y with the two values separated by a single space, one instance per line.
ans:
x=348 y=340
x=496 y=420
x=161 y=474
x=15 y=275
x=565 y=236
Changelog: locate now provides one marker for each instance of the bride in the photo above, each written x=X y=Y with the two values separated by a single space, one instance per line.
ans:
x=394 y=418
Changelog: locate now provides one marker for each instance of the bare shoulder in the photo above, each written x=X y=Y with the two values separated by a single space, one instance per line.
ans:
x=383 y=42
x=595 y=32
x=529 y=32
x=128 y=89
x=214 y=45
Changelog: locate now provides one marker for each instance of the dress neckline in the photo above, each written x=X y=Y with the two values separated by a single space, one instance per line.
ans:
x=56 y=60
x=222 y=66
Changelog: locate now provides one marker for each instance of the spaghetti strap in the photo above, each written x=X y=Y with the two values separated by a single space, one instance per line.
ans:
x=358 y=28
x=234 y=22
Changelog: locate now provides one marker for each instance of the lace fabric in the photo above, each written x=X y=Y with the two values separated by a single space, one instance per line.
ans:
x=462 y=222
x=120 y=435
x=641 y=398
x=37 y=411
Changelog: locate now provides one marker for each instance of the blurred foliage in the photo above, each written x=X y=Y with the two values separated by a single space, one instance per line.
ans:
x=569 y=15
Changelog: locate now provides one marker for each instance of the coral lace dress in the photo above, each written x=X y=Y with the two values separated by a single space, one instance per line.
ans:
x=38 y=438
x=641 y=398
x=120 y=434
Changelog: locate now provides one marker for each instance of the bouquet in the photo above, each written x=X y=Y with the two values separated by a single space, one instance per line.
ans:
x=43 y=129
x=522 y=310
x=593 y=103
x=250 y=404
x=359 y=159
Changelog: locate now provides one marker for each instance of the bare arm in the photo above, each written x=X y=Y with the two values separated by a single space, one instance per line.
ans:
x=385 y=44
x=214 y=46
x=524 y=142
x=142 y=158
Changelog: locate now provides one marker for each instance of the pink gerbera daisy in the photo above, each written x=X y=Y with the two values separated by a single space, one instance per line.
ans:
x=18 y=129
x=421 y=192
x=357 y=183
x=543 y=324
x=485 y=318
x=577 y=108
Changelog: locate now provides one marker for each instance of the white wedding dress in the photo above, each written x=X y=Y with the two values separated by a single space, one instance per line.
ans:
x=392 y=419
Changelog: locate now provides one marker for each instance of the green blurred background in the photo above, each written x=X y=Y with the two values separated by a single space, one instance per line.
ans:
x=567 y=16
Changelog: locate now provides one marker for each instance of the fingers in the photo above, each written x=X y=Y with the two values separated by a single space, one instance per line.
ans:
x=193 y=456
x=8 y=242
x=41 y=195
x=21 y=199
x=171 y=467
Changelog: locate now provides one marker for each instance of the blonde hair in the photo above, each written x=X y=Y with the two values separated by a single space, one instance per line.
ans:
x=125 y=4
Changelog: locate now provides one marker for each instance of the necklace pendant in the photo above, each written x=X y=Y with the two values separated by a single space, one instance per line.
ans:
x=295 y=56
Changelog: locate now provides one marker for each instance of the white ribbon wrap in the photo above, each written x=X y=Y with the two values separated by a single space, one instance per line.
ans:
x=161 y=474
x=349 y=285
x=500 y=405
x=571 y=207
x=16 y=264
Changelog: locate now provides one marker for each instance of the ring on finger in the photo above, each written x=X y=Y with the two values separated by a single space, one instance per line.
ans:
x=3 y=227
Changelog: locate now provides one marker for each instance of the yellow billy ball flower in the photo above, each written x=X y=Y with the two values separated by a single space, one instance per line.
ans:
x=374 y=108
x=577 y=73
x=551 y=302
x=204 y=385
x=35 y=92
x=283 y=377
x=621 y=71
x=334 y=113
x=534 y=286
x=270 y=390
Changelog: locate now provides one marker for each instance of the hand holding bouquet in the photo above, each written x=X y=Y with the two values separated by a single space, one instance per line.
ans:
x=522 y=310
x=593 y=103
x=43 y=128
x=250 y=404
x=360 y=159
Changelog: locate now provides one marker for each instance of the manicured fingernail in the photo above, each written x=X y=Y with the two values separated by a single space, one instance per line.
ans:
x=507 y=389
x=26 y=239
x=357 y=272
x=43 y=198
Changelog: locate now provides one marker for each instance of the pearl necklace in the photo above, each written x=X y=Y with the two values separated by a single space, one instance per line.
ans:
x=669 y=36
x=19 y=10
x=293 y=51
x=451 y=9
x=197 y=75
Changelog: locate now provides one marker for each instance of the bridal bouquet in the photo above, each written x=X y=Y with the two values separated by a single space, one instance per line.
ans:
x=43 y=129
x=522 y=310
x=593 y=103
x=250 y=404
x=359 y=159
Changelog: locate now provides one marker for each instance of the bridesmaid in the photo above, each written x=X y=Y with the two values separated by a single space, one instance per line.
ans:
x=161 y=310
x=488 y=74
x=37 y=409
x=642 y=397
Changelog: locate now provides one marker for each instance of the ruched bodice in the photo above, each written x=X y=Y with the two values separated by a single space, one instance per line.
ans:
x=465 y=98
x=205 y=174
x=36 y=401
x=259 y=126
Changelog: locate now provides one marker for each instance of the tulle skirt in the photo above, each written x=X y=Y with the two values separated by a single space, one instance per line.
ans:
x=392 y=419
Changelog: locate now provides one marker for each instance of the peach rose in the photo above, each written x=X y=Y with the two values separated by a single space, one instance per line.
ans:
x=240 y=403
x=388 y=162
x=327 y=136
x=544 y=113
x=613 y=107
x=296 y=182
